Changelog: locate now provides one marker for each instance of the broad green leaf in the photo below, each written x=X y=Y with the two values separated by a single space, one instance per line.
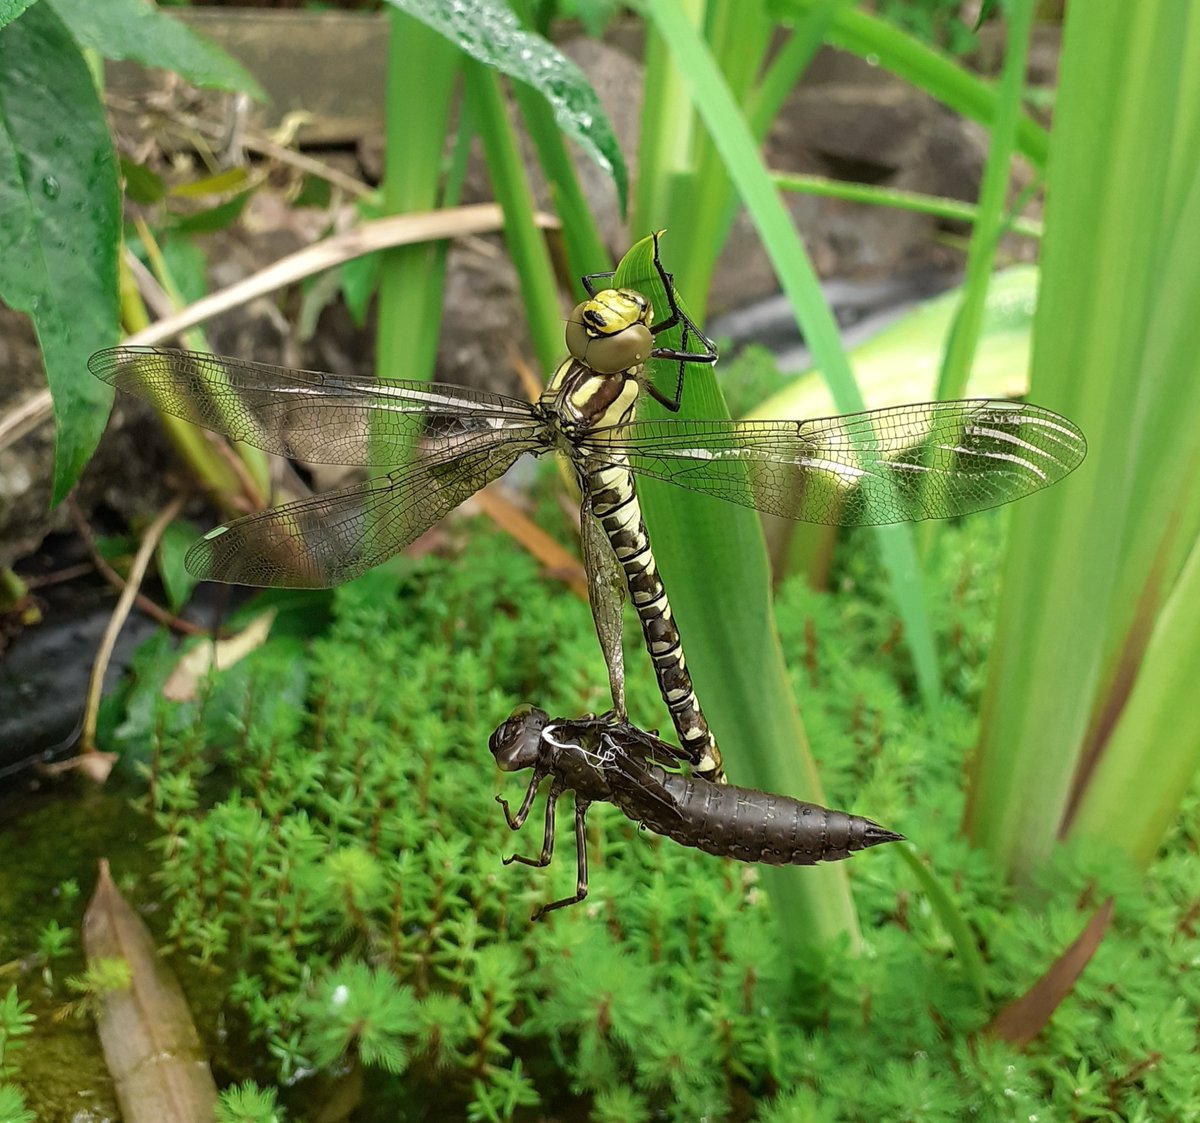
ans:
x=714 y=567
x=901 y=363
x=142 y=185
x=488 y=31
x=59 y=222
x=10 y=9
x=177 y=539
x=134 y=29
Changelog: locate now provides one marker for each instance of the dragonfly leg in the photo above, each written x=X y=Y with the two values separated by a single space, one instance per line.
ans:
x=591 y=281
x=581 y=870
x=547 y=853
x=681 y=355
x=517 y=821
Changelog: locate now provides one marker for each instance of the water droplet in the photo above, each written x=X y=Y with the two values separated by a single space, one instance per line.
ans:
x=50 y=187
x=872 y=60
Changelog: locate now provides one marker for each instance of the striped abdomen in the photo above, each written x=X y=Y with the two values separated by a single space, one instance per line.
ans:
x=746 y=824
x=615 y=504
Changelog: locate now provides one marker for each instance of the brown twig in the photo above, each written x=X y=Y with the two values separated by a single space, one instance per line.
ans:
x=168 y=619
x=69 y=573
x=141 y=562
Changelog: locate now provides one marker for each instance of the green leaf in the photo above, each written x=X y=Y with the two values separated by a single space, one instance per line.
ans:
x=1085 y=725
x=743 y=163
x=360 y=279
x=489 y=32
x=133 y=29
x=142 y=185
x=952 y=916
x=175 y=542
x=900 y=364
x=595 y=15
x=59 y=222
x=12 y=1106
x=214 y=218
x=187 y=266
x=10 y=9
x=714 y=565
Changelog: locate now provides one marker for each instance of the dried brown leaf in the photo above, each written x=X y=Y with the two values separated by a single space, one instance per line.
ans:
x=151 y=1046
x=1022 y=1020
x=183 y=683
x=561 y=563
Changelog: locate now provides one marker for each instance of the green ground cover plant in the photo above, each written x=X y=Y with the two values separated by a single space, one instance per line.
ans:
x=328 y=847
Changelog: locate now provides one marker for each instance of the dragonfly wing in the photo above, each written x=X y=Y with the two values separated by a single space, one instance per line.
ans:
x=322 y=541
x=308 y=415
x=933 y=460
x=628 y=761
x=606 y=595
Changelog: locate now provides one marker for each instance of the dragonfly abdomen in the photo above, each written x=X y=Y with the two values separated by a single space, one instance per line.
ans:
x=615 y=504
x=749 y=825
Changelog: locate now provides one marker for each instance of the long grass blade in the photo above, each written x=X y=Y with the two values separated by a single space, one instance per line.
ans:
x=985 y=235
x=744 y=165
x=1114 y=349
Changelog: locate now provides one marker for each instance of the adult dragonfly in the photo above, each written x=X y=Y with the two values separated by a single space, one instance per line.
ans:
x=441 y=443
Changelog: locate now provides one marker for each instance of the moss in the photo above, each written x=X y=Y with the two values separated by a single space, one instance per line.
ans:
x=327 y=846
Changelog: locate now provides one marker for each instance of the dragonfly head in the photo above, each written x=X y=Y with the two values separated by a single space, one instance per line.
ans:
x=611 y=332
x=517 y=742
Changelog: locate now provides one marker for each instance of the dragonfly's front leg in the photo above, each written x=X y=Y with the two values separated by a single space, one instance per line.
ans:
x=581 y=870
x=606 y=596
x=556 y=789
x=517 y=821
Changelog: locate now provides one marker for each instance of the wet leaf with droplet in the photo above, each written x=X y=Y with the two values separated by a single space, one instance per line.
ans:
x=487 y=30
x=59 y=221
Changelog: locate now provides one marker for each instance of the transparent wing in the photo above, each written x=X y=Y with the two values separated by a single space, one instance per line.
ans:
x=649 y=748
x=606 y=595
x=629 y=751
x=321 y=418
x=322 y=541
x=933 y=460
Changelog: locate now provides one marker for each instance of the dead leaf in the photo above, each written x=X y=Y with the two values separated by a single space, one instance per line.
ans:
x=1022 y=1020
x=194 y=667
x=151 y=1046
x=95 y=765
x=558 y=561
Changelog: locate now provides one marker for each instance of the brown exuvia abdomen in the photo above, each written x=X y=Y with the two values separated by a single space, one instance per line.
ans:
x=750 y=825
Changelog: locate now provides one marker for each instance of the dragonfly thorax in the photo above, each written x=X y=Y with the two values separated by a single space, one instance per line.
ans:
x=582 y=399
x=611 y=331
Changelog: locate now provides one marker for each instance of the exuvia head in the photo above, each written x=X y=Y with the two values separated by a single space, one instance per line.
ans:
x=517 y=741
x=611 y=332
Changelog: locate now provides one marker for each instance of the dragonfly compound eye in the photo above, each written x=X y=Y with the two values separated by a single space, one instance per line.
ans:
x=610 y=332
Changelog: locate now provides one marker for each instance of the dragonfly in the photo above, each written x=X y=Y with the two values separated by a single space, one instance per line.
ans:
x=436 y=444
x=605 y=759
